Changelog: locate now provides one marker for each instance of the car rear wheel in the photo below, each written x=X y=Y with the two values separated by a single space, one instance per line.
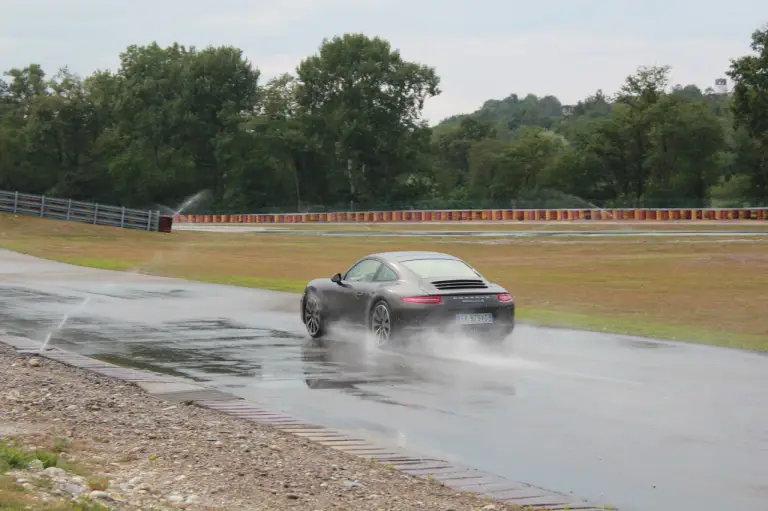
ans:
x=381 y=324
x=313 y=316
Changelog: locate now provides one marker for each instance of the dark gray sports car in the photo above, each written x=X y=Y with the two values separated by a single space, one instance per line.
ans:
x=394 y=293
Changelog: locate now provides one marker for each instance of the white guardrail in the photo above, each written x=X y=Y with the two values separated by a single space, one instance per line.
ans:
x=77 y=211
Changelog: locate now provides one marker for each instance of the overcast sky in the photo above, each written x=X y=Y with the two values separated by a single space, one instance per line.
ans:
x=481 y=48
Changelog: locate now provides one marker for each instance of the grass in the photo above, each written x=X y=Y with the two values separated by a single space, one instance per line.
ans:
x=707 y=290
x=14 y=497
x=15 y=457
x=97 y=483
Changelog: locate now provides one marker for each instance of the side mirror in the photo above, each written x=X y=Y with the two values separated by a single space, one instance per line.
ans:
x=336 y=278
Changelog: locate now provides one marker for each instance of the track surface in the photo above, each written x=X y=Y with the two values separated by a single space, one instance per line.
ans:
x=637 y=424
x=548 y=229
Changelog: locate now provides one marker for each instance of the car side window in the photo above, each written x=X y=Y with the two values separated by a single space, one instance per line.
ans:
x=386 y=274
x=363 y=271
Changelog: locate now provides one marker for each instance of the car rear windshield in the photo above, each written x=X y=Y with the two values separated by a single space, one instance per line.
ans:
x=439 y=268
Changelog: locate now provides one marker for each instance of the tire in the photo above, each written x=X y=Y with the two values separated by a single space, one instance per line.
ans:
x=381 y=324
x=313 y=317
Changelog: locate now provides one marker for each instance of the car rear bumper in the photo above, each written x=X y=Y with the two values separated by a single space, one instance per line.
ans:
x=445 y=322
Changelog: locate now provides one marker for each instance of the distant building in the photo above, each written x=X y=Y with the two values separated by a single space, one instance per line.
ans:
x=721 y=86
x=568 y=110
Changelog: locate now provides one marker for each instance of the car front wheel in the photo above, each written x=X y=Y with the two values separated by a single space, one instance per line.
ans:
x=313 y=316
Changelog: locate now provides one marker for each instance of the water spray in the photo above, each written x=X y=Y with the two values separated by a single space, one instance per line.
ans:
x=82 y=306
x=186 y=203
x=63 y=322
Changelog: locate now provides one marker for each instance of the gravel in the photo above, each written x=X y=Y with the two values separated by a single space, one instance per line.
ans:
x=157 y=455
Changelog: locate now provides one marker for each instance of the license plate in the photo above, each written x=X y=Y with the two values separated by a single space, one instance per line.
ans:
x=474 y=319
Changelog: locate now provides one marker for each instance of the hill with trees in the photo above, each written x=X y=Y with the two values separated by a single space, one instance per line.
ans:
x=345 y=131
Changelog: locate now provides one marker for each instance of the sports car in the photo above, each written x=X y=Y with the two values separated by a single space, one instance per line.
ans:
x=394 y=294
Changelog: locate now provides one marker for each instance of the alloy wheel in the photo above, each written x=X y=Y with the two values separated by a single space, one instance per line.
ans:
x=312 y=315
x=381 y=324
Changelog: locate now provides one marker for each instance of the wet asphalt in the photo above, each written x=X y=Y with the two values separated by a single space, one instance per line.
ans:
x=637 y=424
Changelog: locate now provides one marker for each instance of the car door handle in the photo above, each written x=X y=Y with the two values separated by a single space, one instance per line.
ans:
x=359 y=294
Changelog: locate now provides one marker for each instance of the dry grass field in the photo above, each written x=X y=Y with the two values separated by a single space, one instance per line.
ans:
x=701 y=289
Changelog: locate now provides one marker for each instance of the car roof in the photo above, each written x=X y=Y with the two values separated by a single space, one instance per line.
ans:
x=411 y=255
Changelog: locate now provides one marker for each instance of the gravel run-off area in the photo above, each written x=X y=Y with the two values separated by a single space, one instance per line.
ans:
x=106 y=444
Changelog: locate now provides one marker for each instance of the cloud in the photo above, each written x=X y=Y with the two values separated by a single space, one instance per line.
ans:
x=8 y=44
x=266 y=17
x=275 y=65
x=570 y=65
x=272 y=18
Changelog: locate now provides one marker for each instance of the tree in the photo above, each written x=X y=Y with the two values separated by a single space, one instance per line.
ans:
x=685 y=140
x=750 y=108
x=453 y=148
x=280 y=127
x=64 y=124
x=347 y=127
x=10 y=144
x=639 y=95
x=596 y=105
x=362 y=103
x=502 y=170
x=178 y=109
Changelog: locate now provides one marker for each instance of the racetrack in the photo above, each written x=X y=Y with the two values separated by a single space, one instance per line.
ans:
x=637 y=424
x=545 y=229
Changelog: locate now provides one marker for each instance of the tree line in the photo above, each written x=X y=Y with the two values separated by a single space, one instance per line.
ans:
x=346 y=131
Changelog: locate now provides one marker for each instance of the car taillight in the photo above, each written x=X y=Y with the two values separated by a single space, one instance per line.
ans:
x=428 y=300
x=504 y=297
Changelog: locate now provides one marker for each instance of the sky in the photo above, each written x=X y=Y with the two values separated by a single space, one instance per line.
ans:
x=481 y=49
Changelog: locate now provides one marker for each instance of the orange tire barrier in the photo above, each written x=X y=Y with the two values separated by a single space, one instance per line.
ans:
x=474 y=215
